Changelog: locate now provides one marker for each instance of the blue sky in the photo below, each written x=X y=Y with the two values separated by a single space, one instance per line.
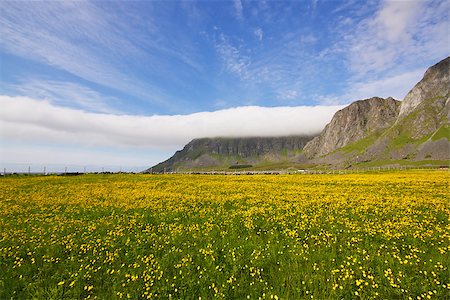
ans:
x=178 y=60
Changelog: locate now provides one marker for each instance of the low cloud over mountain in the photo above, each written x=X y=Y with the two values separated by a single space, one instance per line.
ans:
x=24 y=119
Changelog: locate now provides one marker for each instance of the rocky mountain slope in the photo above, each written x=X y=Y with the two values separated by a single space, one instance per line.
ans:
x=434 y=85
x=353 y=123
x=235 y=152
x=416 y=128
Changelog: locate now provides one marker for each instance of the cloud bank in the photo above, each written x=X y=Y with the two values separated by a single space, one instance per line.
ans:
x=24 y=119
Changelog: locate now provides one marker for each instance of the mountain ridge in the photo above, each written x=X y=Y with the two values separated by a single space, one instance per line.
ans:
x=366 y=131
x=225 y=152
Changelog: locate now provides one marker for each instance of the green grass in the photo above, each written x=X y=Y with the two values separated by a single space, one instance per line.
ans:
x=400 y=141
x=361 y=145
x=404 y=139
x=442 y=133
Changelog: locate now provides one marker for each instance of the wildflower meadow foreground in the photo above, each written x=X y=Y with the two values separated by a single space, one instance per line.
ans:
x=370 y=236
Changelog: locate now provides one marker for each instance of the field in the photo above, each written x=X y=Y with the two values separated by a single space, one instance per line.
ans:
x=375 y=235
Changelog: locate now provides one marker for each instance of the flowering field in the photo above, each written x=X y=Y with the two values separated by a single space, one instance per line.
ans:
x=383 y=235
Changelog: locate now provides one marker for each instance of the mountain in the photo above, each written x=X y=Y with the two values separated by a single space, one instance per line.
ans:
x=371 y=131
x=223 y=153
x=376 y=129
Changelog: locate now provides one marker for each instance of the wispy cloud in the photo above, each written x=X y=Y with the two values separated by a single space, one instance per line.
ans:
x=396 y=86
x=281 y=69
x=92 y=43
x=400 y=34
x=308 y=39
x=238 y=9
x=394 y=18
x=66 y=94
x=24 y=119
x=259 y=33
x=271 y=65
x=234 y=62
x=288 y=95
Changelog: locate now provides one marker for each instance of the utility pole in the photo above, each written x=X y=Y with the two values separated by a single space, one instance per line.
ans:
x=45 y=173
x=29 y=170
x=84 y=170
x=65 y=170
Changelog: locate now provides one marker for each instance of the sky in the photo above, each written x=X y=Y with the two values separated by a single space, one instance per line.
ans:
x=124 y=84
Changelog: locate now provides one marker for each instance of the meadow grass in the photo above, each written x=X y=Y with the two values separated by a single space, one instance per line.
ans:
x=351 y=236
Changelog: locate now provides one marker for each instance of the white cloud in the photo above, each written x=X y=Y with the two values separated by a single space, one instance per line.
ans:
x=395 y=18
x=24 y=119
x=238 y=9
x=259 y=33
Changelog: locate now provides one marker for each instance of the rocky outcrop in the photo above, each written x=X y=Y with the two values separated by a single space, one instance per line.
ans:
x=355 y=122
